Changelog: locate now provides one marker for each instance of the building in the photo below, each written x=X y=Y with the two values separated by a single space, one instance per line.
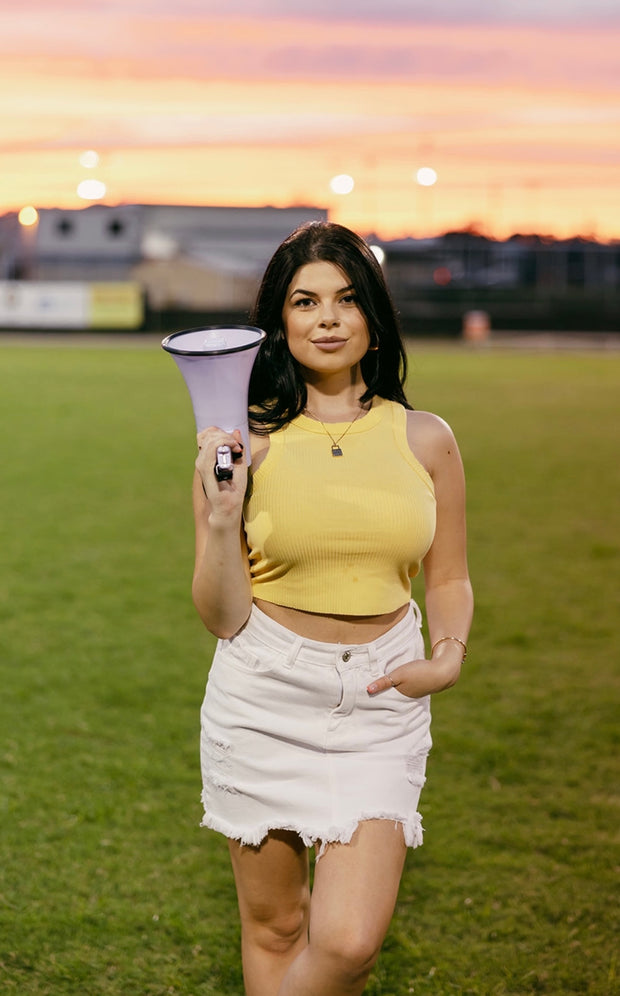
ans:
x=526 y=282
x=183 y=259
x=170 y=266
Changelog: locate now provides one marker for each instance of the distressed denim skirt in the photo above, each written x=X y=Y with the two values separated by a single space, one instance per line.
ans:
x=291 y=739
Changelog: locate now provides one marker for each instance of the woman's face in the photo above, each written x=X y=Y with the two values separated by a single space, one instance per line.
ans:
x=325 y=329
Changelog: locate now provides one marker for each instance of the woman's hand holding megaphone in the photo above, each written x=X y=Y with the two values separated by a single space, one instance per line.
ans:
x=221 y=583
x=224 y=493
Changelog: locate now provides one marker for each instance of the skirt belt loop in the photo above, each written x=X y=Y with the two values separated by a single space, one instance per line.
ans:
x=293 y=653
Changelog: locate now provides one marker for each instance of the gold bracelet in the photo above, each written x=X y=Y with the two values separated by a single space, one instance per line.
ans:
x=456 y=640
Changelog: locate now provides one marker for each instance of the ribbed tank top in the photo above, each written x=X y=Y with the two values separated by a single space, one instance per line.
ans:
x=340 y=535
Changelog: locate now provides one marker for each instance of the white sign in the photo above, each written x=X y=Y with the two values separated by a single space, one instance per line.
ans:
x=50 y=304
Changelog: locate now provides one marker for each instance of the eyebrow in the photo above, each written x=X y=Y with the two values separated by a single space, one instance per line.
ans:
x=308 y=293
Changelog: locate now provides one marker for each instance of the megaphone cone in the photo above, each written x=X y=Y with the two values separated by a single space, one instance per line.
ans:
x=216 y=363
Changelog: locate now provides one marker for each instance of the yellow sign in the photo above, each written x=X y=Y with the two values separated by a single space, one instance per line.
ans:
x=115 y=306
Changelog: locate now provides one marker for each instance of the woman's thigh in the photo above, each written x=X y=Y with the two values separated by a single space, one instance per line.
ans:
x=356 y=887
x=272 y=880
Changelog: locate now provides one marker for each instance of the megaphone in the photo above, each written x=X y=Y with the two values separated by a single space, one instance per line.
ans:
x=216 y=363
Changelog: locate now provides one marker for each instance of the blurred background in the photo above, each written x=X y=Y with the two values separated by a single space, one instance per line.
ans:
x=153 y=156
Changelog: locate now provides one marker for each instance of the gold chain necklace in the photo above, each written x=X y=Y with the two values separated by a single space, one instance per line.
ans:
x=336 y=449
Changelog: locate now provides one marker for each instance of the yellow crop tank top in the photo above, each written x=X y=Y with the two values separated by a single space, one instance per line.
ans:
x=340 y=535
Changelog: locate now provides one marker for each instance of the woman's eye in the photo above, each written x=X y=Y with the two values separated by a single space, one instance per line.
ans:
x=303 y=302
x=348 y=299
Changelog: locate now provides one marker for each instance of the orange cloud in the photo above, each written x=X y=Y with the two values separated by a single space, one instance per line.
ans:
x=521 y=124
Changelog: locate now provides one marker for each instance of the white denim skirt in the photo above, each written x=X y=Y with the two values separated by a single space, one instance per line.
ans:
x=291 y=739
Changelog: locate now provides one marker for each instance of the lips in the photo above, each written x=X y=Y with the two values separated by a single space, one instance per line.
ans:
x=328 y=343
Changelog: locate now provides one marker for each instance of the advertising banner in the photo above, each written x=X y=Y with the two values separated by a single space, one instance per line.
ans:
x=70 y=305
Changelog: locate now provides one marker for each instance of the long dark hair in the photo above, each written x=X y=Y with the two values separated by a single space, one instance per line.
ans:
x=277 y=389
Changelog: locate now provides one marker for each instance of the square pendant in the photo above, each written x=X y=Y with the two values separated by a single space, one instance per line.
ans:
x=336 y=451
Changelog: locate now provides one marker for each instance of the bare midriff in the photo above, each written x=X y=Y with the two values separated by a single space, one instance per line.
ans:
x=332 y=629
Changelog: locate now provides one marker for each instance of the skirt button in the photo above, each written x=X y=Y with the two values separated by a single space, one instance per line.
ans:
x=347 y=656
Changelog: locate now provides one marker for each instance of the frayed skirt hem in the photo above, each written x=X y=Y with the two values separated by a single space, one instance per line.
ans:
x=253 y=837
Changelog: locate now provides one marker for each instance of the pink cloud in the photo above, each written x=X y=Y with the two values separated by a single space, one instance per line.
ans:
x=203 y=47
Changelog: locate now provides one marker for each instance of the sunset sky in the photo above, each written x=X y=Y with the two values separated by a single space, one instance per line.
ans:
x=514 y=103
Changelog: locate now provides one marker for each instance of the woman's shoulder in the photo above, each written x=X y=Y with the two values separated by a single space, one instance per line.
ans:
x=430 y=438
x=428 y=424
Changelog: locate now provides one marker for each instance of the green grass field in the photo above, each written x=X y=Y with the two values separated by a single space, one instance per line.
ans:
x=107 y=884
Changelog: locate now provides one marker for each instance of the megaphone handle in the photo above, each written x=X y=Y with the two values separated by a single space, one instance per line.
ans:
x=223 y=469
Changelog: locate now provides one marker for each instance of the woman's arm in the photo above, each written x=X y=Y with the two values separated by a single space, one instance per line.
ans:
x=448 y=592
x=221 y=583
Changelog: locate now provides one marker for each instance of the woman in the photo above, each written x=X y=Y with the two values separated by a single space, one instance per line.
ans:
x=315 y=724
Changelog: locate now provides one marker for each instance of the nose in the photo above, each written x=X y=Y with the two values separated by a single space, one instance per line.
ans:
x=328 y=319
